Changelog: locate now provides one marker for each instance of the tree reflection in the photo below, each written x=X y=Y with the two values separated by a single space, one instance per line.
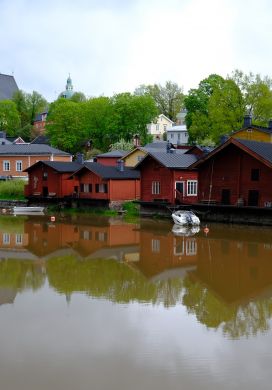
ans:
x=20 y=275
x=112 y=280
x=235 y=320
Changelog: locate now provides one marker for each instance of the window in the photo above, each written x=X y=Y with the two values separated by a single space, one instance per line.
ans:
x=192 y=187
x=19 y=239
x=45 y=175
x=139 y=158
x=157 y=127
x=191 y=247
x=155 y=245
x=156 y=187
x=19 y=166
x=255 y=174
x=85 y=187
x=101 y=188
x=164 y=127
x=6 y=165
x=6 y=238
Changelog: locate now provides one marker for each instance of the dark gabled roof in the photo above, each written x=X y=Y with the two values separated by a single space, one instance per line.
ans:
x=260 y=150
x=30 y=149
x=157 y=145
x=41 y=139
x=113 y=153
x=204 y=149
x=171 y=160
x=8 y=86
x=109 y=172
x=58 y=166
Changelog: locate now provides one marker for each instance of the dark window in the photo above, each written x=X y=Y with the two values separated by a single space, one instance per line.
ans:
x=253 y=198
x=45 y=175
x=81 y=187
x=90 y=187
x=97 y=188
x=225 y=196
x=255 y=174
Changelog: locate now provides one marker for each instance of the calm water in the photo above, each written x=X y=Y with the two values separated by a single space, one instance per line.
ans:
x=104 y=304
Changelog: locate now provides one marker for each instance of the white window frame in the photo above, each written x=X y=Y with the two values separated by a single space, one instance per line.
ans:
x=155 y=245
x=19 y=239
x=6 y=238
x=19 y=166
x=156 y=188
x=6 y=165
x=192 y=187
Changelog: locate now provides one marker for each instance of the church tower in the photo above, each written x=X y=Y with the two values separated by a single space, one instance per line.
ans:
x=68 y=93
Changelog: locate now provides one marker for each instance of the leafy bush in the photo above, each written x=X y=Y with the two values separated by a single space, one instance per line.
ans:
x=12 y=189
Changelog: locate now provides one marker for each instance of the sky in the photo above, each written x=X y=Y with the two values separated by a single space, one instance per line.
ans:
x=113 y=46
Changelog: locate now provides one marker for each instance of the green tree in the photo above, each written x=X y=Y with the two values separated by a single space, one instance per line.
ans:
x=9 y=117
x=78 y=97
x=66 y=125
x=99 y=118
x=257 y=95
x=35 y=103
x=168 y=98
x=131 y=114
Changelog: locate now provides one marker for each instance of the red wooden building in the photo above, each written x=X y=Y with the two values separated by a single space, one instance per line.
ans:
x=51 y=179
x=167 y=177
x=238 y=172
x=110 y=158
x=108 y=183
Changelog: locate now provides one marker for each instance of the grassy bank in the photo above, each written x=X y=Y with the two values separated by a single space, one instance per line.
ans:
x=12 y=190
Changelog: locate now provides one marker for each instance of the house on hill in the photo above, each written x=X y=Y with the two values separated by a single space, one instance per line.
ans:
x=158 y=128
x=238 y=172
x=132 y=158
x=8 y=87
x=168 y=177
x=15 y=158
x=253 y=132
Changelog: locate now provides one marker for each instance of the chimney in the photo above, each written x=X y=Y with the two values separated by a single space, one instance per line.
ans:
x=79 y=158
x=120 y=165
x=247 y=120
x=270 y=124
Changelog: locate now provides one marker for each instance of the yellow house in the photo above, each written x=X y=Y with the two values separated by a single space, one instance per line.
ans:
x=137 y=154
x=133 y=157
x=254 y=133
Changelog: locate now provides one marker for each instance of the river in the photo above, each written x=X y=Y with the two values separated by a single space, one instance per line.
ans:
x=103 y=303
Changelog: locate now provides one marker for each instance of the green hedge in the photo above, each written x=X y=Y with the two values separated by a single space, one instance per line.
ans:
x=12 y=189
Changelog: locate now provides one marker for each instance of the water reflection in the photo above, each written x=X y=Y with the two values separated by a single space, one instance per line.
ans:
x=224 y=279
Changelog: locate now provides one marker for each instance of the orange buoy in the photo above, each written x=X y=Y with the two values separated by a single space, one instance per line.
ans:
x=206 y=230
x=52 y=218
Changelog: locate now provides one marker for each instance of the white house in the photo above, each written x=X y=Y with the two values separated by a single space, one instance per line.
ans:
x=158 y=128
x=178 y=135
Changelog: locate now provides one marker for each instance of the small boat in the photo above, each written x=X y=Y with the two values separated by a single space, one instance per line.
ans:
x=185 y=218
x=37 y=210
x=185 y=231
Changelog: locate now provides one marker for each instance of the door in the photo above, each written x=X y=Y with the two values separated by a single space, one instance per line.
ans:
x=179 y=190
x=225 y=196
x=253 y=198
x=45 y=192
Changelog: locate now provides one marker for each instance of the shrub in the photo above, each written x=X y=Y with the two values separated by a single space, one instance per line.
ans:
x=12 y=189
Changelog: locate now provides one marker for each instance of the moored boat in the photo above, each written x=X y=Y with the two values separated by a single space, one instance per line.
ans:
x=185 y=218
x=28 y=210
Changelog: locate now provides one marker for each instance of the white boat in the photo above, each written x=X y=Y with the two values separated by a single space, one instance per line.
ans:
x=185 y=231
x=28 y=210
x=185 y=218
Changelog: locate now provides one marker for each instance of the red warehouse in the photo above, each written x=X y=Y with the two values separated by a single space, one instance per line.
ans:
x=108 y=183
x=51 y=179
x=168 y=177
x=238 y=172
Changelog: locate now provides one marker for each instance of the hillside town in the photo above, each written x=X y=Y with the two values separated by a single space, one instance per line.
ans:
x=167 y=171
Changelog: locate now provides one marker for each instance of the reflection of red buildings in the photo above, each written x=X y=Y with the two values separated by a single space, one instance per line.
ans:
x=160 y=252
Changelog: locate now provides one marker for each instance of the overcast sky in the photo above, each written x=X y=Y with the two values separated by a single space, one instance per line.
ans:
x=112 y=46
